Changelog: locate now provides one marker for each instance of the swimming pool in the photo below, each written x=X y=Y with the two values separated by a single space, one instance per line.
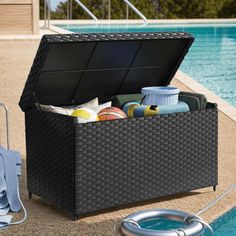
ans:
x=223 y=226
x=211 y=60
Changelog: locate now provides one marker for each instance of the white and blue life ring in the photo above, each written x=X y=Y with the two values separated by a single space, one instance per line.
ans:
x=193 y=225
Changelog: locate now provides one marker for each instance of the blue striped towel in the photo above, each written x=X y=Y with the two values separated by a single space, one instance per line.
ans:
x=10 y=169
x=134 y=109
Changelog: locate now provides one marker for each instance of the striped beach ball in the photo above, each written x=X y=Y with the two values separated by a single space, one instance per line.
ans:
x=111 y=113
x=134 y=109
x=85 y=115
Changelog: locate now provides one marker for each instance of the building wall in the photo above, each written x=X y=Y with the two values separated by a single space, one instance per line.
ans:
x=19 y=17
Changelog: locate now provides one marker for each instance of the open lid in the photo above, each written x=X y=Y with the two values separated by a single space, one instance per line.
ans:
x=72 y=69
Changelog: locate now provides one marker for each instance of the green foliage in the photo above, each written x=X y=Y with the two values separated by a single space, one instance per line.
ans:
x=152 y=9
x=181 y=9
x=229 y=9
x=41 y=9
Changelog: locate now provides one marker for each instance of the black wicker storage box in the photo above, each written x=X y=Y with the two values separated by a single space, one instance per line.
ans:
x=84 y=168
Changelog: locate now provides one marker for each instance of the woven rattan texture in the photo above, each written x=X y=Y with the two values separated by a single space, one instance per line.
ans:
x=115 y=36
x=34 y=74
x=83 y=168
x=131 y=160
x=50 y=142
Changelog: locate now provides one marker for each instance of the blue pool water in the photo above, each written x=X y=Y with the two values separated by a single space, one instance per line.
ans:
x=211 y=59
x=223 y=226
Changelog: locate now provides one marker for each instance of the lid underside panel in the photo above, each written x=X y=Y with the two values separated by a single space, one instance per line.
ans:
x=159 y=53
x=68 y=56
x=113 y=55
x=57 y=87
x=74 y=70
x=143 y=77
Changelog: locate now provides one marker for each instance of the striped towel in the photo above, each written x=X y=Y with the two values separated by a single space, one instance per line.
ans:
x=10 y=163
x=134 y=109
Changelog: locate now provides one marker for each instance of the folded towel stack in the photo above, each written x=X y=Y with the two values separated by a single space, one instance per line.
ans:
x=195 y=101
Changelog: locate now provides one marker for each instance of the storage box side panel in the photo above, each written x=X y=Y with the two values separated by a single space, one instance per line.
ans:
x=181 y=155
x=50 y=158
x=131 y=160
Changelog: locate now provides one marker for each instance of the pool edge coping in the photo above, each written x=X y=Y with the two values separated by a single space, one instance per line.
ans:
x=228 y=109
x=54 y=29
x=58 y=29
x=140 y=22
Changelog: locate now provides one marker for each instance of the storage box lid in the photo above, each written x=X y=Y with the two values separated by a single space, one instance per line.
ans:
x=74 y=68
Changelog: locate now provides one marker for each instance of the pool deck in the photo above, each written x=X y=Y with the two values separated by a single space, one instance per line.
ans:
x=193 y=85
x=16 y=58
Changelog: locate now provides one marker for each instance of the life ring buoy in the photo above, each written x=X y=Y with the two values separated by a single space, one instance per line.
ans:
x=129 y=226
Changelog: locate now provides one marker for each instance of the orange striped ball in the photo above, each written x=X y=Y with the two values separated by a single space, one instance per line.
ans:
x=111 y=113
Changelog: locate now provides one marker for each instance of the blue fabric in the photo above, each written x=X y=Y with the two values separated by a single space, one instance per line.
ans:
x=5 y=221
x=10 y=169
x=169 y=109
x=134 y=109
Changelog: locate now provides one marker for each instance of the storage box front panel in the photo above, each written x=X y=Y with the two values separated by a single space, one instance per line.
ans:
x=130 y=160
